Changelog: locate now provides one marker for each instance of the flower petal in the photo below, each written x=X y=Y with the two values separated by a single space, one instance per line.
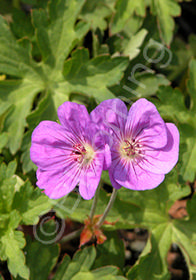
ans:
x=51 y=144
x=107 y=157
x=133 y=177
x=111 y=116
x=114 y=183
x=57 y=183
x=90 y=177
x=146 y=125
x=110 y=113
x=73 y=115
x=161 y=161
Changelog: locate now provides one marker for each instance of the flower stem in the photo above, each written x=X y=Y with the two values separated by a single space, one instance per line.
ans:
x=94 y=205
x=109 y=206
x=71 y=235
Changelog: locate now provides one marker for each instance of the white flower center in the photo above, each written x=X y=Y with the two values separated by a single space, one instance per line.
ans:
x=83 y=153
x=130 y=149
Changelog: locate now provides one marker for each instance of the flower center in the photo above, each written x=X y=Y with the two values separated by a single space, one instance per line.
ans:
x=83 y=153
x=130 y=149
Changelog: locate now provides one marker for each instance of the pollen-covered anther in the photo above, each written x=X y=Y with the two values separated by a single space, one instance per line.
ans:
x=83 y=153
x=78 y=152
x=130 y=149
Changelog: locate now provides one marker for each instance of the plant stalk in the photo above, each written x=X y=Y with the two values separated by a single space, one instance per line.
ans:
x=94 y=205
x=109 y=206
x=71 y=235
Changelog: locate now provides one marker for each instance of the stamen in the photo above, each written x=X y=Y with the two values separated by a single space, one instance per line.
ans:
x=82 y=153
x=130 y=149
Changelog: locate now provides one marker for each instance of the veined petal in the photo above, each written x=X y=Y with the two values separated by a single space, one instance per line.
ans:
x=73 y=116
x=161 y=161
x=57 y=183
x=107 y=157
x=51 y=144
x=110 y=114
x=133 y=177
x=146 y=125
x=90 y=177
x=114 y=183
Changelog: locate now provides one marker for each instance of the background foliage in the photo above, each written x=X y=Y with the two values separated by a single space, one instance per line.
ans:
x=88 y=51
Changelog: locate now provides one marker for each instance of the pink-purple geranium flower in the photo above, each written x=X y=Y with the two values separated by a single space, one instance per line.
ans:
x=68 y=154
x=143 y=147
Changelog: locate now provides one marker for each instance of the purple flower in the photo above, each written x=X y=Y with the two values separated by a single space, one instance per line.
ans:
x=68 y=154
x=143 y=146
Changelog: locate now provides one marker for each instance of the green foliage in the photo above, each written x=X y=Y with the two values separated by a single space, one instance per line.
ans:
x=173 y=108
x=148 y=209
x=96 y=12
x=88 y=51
x=14 y=213
x=79 y=267
x=125 y=9
x=41 y=258
x=55 y=39
x=111 y=252
x=165 y=10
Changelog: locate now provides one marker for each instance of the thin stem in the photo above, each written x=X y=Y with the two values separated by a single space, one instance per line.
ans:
x=71 y=235
x=95 y=200
x=109 y=206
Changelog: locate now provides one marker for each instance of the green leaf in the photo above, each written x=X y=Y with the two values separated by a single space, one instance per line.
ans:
x=184 y=232
x=124 y=10
x=188 y=168
x=82 y=261
x=93 y=276
x=85 y=258
x=180 y=60
x=31 y=203
x=132 y=48
x=21 y=24
x=153 y=264
x=3 y=140
x=41 y=259
x=106 y=270
x=111 y=252
x=144 y=84
x=95 y=12
x=62 y=268
x=165 y=11
x=16 y=61
x=139 y=84
x=11 y=243
x=7 y=185
x=58 y=39
x=11 y=169
x=93 y=77
x=21 y=94
x=191 y=85
x=79 y=267
x=57 y=34
x=171 y=105
x=20 y=203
